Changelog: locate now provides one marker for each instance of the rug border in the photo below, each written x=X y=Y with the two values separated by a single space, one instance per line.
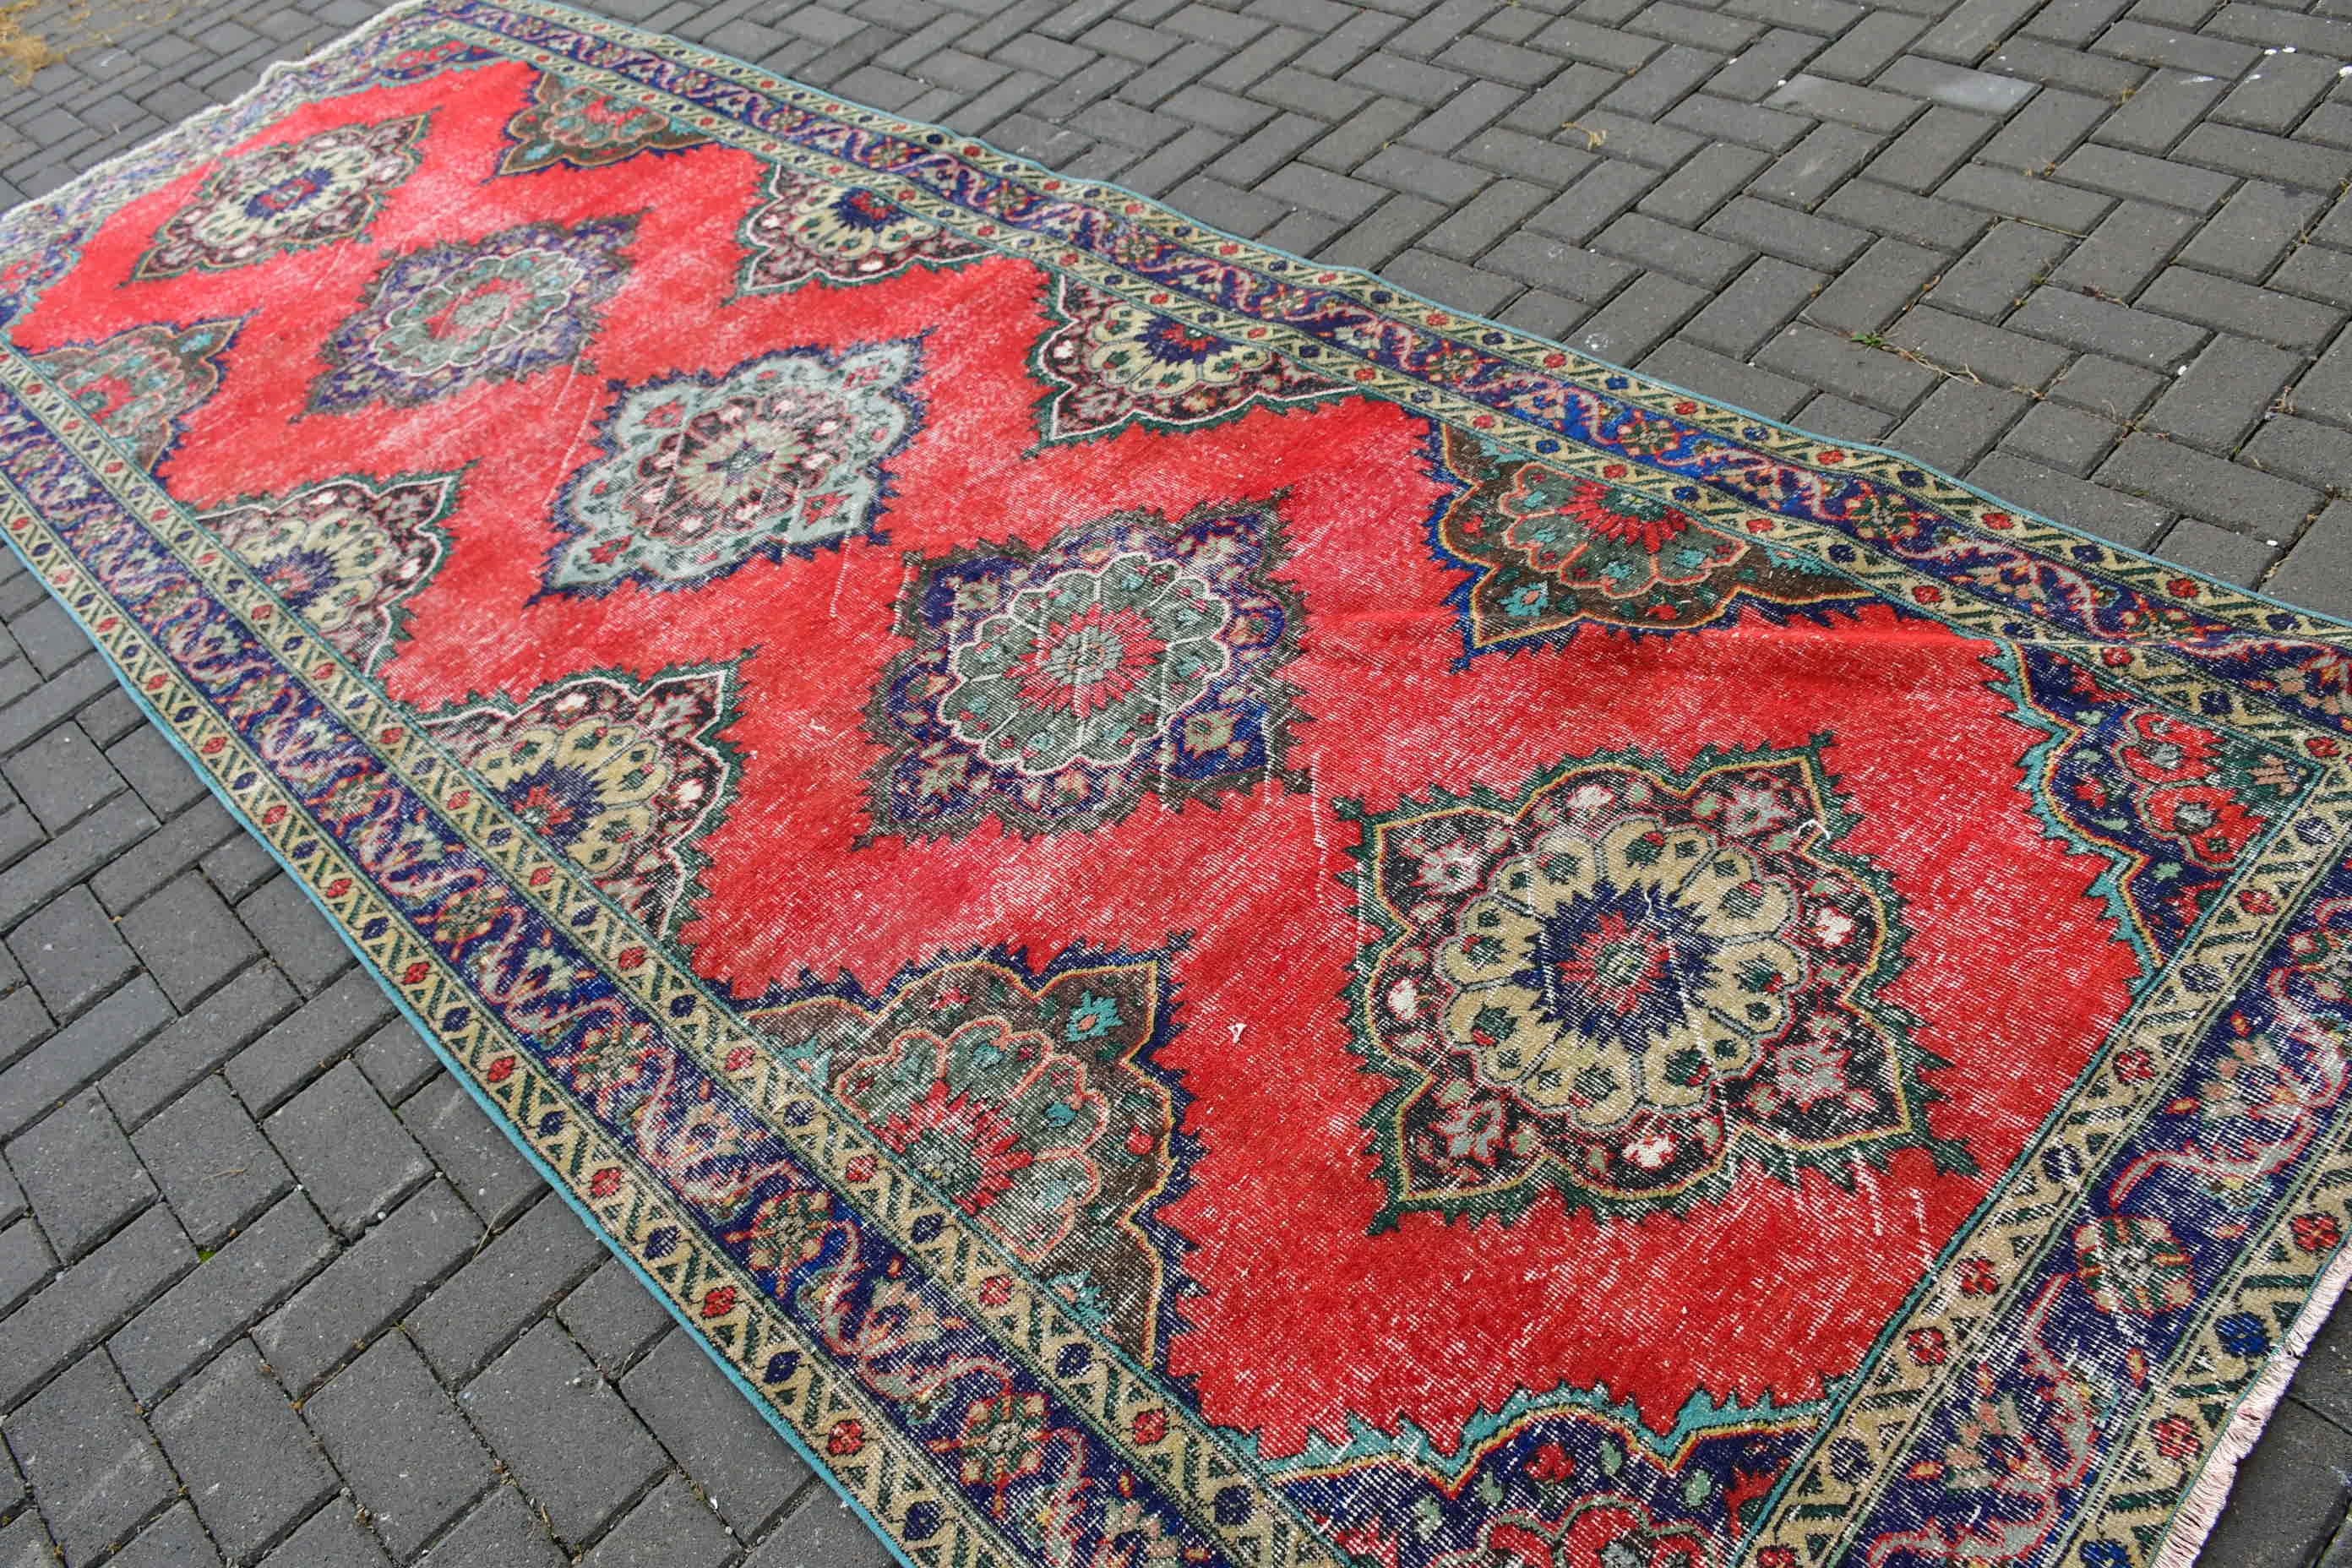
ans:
x=457 y=1069
x=2198 y=1514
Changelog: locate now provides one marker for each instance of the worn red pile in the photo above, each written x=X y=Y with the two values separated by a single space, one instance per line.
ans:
x=1196 y=912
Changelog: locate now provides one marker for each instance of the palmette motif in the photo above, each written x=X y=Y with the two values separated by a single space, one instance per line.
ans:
x=967 y=1211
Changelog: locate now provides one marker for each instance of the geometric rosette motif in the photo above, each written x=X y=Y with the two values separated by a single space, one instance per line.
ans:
x=1630 y=987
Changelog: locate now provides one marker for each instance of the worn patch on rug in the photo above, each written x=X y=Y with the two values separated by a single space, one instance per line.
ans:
x=1193 y=911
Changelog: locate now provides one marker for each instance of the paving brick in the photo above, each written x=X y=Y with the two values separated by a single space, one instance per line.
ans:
x=1999 y=271
x=2102 y=326
x=79 y=1174
x=191 y=1048
x=2319 y=455
x=2263 y=157
x=671 y=1526
x=1939 y=141
x=187 y=938
x=26 y=1262
x=318 y=1033
x=1766 y=296
x=85 y=1303
x=62 y=776
x=821 y=1532
x=749 y=1472
x=502 y=1533
x=563 y=1431
x=1671 y=249
x=2231 y=306
x=215 y=1167
x=238 y=865
x=2252 y=231
x=1872 y=376
x=2207 y=487
x=1803 y=239
x=2123 y=173
x=1866 y=48
x=2317 y=573
x=2045 y=201
x=148 y=762
x=162 y=854
x=1957 y=423
x=2091 y=507
x=174 y=1541
x=1955 y=343
x=2066 y=438
x=331 y=1537
x=480 y=1161
x=2219 y=552
x=305 y=946
x=2130 y=246
x=221 y=1296
x=71 y=953
x=612 y=1317
x=2225 y=392
x=1940 y=82
x=93 y=1467
x=372 y=1283
x=1927 y=221
x=23 y=1543
x=1872 y=292
x=1816 y=165
x=397 y=1061
x=510 y=1282
x=411 y=1460
x=347 y=1148
x=251 y=1470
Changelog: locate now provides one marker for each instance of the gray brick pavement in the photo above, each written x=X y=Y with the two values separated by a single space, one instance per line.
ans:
x=272 y=1288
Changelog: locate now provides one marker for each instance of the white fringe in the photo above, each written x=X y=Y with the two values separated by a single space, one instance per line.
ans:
x=2198 y=1516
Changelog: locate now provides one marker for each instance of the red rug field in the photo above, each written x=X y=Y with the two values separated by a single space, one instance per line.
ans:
x=1193 y=911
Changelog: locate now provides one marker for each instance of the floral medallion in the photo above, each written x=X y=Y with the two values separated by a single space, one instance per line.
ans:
x=697 y=474
x=439 y=319
x=1550 y=551
x=139 y=383
x=1628 y=984
x=843 y=234
x=1110 y=362
x=1032 y=1103
x=1054 y=689
x=624 y=777
x=290 y=195
x=571 y=125
x=346 y=555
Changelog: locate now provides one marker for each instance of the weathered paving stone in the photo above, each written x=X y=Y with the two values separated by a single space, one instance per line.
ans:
x=93 y=1465
x=188 y=939
x=392 y=1431
x=511 y=1281
x=331 y=1537
x=283 y=919
x=265 y=1072
x=349 y=1151
x=671 y=1529
x=2193 y=481
x=502 y=1533
x=748 y=1470
x=213 y=1165
x=84 y=1304
x=367 y=1286
x=174 y=1541
x=113 y=1029
x=71 y=953
x=820 y=1533
x=614 y=1317
x=26 y=1262
x=79 y=1174
x=219 y=1299
x=569 y=1438
x=488 y=1172
x=251 y=1470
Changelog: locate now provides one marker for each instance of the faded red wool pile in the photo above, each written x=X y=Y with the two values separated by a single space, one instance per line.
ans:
x=1194 y=911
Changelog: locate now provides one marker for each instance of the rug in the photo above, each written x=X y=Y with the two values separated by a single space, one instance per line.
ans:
x=1191 y=910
